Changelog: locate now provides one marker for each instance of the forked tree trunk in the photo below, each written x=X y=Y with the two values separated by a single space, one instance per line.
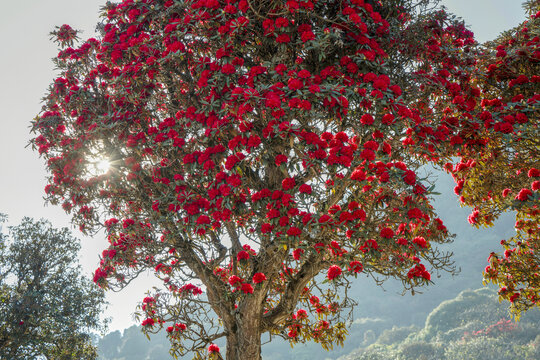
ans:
x=244 y=338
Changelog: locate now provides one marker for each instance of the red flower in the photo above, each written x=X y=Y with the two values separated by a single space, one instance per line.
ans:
x=242 y=255
x=259 y=278
x=283 y=38
x=359 y=175
x=325 y=218
x=415 y=213
x=234 y=280
x=292 y=5
x=307 y=35
x=402 y=241
x=514 y=297
x=272 y=100
x=230 y=9
x=247 y=288
x=409 y=177
x=203 y=219
x=387 y=119
x=419 y=271
x=283 y=221
x=355 y=266
x=305 y=188
x=266 y=228
x=280 y=68
x=420 y=241
x=371 y=244
x=148 y=322
x=231 y=161
x=295 y=84
x=213 y=348
x=534 y=172
x=387 y=233
x=524 y=195
x=367 y=119
x=127 y=223
x=384 y=177
x=297 y=253
x=282 y=22
x=473 y=217
x=294 y=231
x=368 y=155
x=314 y=89
x=288 y=183
x=305 y=104
x=359 y=214
x=280 y=159
x=456 y=140
x=395 y=89
x=333 y=272
x=301 y=314
x=371 y=145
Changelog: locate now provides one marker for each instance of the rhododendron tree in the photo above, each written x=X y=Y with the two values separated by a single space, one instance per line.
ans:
x=260 y=154
x=480 y=111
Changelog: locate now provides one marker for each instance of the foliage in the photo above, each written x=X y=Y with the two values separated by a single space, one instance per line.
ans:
x=265 y=153
x=47 y=308
x=518 y=51
x=483 y=111
x=252 y=147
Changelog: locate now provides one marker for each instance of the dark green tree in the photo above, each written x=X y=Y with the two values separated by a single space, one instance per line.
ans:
x=47 y=308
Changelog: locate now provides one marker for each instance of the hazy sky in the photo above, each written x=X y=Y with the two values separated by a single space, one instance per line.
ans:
x=26 y=71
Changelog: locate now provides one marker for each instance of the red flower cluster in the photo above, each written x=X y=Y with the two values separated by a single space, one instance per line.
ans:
x=333 y=272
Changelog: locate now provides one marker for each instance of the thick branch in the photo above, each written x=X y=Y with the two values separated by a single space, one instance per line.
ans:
x=292 y=292
x=215 y=287
x=235 y=239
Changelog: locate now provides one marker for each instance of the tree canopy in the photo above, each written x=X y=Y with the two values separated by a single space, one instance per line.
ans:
x=482 y=115
x=261 y=154
x=47 y=308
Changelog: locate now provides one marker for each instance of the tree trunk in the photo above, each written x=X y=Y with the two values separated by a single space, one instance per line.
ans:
x=244 y=337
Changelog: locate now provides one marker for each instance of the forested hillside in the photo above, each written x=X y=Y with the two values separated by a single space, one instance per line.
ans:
x=474 y=325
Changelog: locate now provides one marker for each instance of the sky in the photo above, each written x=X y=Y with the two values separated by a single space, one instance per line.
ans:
x=26 y=70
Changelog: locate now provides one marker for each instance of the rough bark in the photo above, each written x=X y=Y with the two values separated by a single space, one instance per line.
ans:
x=244 y=336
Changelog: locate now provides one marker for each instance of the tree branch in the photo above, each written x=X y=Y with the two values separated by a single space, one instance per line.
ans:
x=292 y=292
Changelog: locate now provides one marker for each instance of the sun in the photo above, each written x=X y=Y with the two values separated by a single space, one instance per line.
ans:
x=103 y=165
x=98 y=165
